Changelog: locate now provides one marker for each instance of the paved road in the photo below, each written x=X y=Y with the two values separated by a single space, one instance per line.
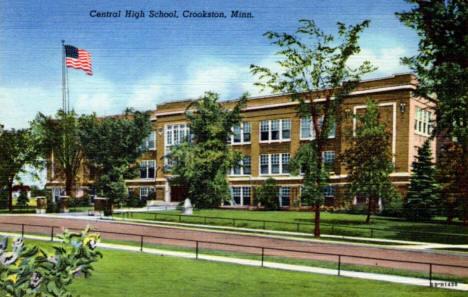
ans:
x=221 y=241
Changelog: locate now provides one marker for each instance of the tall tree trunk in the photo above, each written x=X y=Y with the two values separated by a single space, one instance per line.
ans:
x=369 y=210
x=317 y=220
x=10 y=196
x=68 y=183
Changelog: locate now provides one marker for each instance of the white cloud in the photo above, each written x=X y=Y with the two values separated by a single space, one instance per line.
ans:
x=226 y=79
x=386 y=59
x=19 y=105
x=147 y=93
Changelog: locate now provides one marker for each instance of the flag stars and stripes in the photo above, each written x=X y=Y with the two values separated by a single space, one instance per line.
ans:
x=78 y=59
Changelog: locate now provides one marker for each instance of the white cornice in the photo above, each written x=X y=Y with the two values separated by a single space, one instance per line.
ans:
x=285 y=104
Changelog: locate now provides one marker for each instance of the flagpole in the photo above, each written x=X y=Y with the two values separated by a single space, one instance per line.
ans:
x=64 y=93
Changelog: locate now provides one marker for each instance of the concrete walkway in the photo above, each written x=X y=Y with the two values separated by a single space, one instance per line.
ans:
x=274 y=265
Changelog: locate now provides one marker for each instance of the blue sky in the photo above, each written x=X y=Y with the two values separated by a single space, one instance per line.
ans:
x=143 y=62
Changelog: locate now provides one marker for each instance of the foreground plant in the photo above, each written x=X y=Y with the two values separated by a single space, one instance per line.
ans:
x=30 y=271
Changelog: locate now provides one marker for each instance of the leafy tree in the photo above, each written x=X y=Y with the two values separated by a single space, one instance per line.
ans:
x=59 y=138
x=369 y=160
x=30 y=271
x=112 y=145
x=202 y=165
x=268 y=194
x=305 y=161
x=17 y=149
x=423 y=195
x=312 y=60
x=442 y=67
x=449 y=168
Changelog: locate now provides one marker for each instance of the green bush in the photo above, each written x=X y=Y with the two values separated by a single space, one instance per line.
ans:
x=23 y=199
x=358 y=209
x=268 y=194
x=51 y=206
x=394 y=208
x=30 y=271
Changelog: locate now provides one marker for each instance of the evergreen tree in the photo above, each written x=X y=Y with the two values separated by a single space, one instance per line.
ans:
x=423 y=194
x=201 y=165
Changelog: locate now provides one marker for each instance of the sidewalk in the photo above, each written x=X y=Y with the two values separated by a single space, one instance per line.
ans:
x=273 y=265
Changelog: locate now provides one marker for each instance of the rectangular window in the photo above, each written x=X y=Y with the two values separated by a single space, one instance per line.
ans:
x=236 y=170
x=247 y=165
x=245 y=195
x=422 y=122
x=246 y=132
x=149 y=142
x=236 y=195
x=144 y=192
x=286 y=129
x=240 y=196
x=275 y=130
x=329 y=191
x=275 y=164
x=285 y=193
x=240 y=134
x=305 y=128
x=308 y=131
x=264 y=130
x=264 y=164
x=237 y=134
x=147 y=169
x=175 y=135
x=285 y=163
x=328 y=159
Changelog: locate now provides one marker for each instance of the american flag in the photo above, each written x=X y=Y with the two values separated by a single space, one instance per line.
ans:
x=78 y=59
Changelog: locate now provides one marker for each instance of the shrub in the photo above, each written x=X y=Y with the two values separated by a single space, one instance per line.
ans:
x=30 y=271
x=23 y=199
x=268 y=194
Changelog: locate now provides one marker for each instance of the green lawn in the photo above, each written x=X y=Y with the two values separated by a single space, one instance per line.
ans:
x=134 y=274
x=332 y=223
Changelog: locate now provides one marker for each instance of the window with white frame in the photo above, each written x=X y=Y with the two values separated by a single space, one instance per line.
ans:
x=308 y=131
x=240 y=196
x=240 y=134
x=274 y=164
x=144 y=192
x=422 y=122
x=150 y=142
x=284 y=196
x=275 y=130
x=147 y=169
x=175 y=135
x=244 y=167
x=328 y=160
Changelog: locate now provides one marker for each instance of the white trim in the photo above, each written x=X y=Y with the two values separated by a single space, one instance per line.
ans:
x=393 y=104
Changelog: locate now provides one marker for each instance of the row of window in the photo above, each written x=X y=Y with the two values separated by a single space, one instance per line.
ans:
x=270 y=131
x=240 y=196
x=270 y=164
